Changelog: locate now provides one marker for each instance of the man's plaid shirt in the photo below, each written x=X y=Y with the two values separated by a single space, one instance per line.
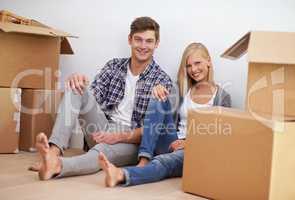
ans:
x=109 y=85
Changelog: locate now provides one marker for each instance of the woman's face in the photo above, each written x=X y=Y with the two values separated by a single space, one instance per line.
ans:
x=197 y=67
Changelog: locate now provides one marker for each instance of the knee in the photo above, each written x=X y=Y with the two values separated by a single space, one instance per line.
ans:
x=101 y=147
x=156 y=105
x=172 y=163
x=166 y=160
x=160 y=168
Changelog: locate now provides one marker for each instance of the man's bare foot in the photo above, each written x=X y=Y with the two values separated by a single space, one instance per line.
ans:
x=142 y=162
x=114 y=175
x=50 y=162
x=37 y=165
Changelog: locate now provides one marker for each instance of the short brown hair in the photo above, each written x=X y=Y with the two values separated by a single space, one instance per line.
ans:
x=142 y=24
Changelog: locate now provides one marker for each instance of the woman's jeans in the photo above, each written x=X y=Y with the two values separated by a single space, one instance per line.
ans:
x=158 y=133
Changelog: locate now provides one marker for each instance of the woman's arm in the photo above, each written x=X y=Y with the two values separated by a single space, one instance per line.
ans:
x=226 y=101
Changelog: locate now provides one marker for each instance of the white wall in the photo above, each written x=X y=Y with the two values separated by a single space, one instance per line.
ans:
x=103 y=26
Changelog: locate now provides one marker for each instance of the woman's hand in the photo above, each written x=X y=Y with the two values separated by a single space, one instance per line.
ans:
x=160 y=92
x=177 y=145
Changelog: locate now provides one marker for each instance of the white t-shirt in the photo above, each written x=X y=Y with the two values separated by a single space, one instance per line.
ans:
x=187 y=104
x=123 y=113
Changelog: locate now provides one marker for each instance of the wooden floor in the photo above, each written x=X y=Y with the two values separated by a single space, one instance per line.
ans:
x=16 y=183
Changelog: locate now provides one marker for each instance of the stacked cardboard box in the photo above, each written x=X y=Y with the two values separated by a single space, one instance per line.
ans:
x=10 y=99
x=39 y=109
x=29 y=59
x=232 y=154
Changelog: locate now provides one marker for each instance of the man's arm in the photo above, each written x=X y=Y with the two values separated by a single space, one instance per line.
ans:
x=131 y=137
x=165 y=81
x=162 y=87
x=77 y=83
x=101 y=82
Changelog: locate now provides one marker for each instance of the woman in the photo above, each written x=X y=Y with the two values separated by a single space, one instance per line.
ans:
x=163 y=140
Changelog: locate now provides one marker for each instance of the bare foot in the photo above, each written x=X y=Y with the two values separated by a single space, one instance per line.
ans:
x=114 y=175
x=37 y=165
x=142 y=162
x=50 y=162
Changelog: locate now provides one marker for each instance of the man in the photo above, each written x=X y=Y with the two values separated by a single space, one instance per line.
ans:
x=111 y=112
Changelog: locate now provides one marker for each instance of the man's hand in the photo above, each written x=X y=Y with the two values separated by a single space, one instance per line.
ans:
x=177 y=145
x=106 y=137
x=129 y=137
x=160 y=92
x=77 y=83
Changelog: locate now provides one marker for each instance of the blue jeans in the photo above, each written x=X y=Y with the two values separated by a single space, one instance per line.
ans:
x=159 y=129
x=158 y=133
x=160 y=167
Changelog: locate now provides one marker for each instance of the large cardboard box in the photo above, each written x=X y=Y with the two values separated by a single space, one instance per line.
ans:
x=229 y=154
x=271 y=71
x=10 y=99
x=38 y=112
x=29 y=53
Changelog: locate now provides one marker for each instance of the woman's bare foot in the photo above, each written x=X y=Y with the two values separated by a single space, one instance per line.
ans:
x=142 y=162
x=50 y=162
x=114 y=175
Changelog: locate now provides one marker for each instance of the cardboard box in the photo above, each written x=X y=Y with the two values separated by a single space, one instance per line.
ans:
x=29 y=53
x=271 y=71
x=229 y=154
x=38 y=112
x=10 y=99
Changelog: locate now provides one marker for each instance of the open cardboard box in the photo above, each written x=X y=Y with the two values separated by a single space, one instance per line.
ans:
x=271 y=71
x=233 y=154
x=230 y=154
x=29 y=53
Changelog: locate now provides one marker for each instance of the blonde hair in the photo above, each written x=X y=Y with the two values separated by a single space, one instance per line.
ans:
x=184 y=81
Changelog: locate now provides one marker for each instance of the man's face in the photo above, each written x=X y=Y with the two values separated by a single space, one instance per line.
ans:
x=143 y=45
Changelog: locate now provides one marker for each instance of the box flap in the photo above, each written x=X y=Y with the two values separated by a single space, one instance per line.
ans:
x=65 y=47
x=264 y=47
x=233 y=112
x=36 y=23
x=37 y=30
x=238 y=49
x=219 y=110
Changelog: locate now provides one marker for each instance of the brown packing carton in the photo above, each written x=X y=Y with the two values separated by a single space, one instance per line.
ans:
x=271 y=71
x=230 y=154
x=10 y=99
x=29 y=52
x=38 y=112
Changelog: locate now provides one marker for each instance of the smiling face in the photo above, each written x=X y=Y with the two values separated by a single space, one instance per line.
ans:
x=143 y=45
x=198 y=67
